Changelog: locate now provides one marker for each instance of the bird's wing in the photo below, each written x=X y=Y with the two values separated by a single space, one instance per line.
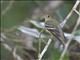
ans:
x=57 y=32
x=61 y=35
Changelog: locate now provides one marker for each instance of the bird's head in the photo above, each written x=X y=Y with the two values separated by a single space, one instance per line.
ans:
x=46 y=18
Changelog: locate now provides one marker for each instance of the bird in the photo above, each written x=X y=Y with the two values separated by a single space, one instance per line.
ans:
x=53 y=27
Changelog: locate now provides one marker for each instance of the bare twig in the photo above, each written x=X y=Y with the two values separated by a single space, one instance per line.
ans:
x=9 y=48
x=8 y=7
x=77 y=24
x=69 y=41
x=40 y=42
x=45 y=49
x=17 y=57
x=77 y=12
x=4 y=44
x=70 y=13
x=77 y=37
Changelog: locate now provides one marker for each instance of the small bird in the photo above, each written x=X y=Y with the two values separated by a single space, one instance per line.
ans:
x=53 y=27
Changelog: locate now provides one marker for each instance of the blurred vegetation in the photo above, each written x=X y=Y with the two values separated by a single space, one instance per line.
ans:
x=20 y=14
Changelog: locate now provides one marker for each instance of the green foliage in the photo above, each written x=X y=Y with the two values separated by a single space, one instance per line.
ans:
x=5 y=54
x=77 y=32
x=17 y=13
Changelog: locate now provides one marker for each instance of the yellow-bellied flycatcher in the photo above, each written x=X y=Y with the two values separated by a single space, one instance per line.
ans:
x=53 y=27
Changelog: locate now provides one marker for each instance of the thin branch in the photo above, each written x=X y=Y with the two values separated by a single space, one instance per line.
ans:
x=68 y=35
x=70 y=13
x=77 y=12
x=3 y=37
x=40 y=42
x=13 y=51
x=17 y=57
x=45 y=49
x=9 y=48
x=69 y=41
x=8 y=7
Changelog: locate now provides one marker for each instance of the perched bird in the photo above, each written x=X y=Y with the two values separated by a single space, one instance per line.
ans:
x=53 y=27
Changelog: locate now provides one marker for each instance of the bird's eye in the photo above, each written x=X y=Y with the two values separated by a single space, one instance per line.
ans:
x=48 y=16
